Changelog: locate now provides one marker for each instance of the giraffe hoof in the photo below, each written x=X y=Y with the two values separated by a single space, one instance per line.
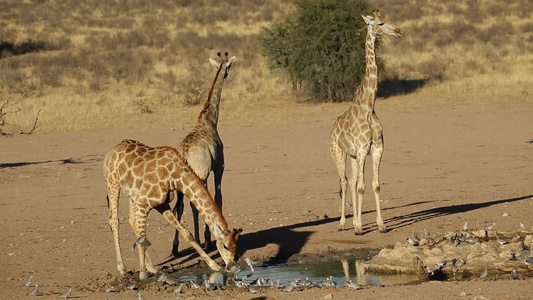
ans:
x=358 y=232
x=151 y=268
x=383 y=230
x=142 y=275
x=173 y=254
x=341 y=229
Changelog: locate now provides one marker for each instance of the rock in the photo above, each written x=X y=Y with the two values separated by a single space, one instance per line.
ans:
x=481 y=233
x=514 y=247
x=328 y=296
x=404 y=258
x=528 y=241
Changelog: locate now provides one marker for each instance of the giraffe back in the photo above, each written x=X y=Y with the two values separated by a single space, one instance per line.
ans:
x=152 y=172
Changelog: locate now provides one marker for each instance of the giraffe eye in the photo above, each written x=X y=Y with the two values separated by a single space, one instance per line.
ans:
x=381 y=24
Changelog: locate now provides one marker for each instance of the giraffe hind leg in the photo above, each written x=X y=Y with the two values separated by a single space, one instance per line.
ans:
x=196 y=221
x=140 y=212
x=357 y=186
x=141 y=240
x=340 y=161
x=178 y=212
x=112 y=203
x=218 y=171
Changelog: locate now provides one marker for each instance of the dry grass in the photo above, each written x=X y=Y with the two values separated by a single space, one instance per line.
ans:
x=99 y=64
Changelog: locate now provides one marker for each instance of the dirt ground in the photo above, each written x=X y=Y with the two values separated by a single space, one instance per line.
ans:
x=442 y=166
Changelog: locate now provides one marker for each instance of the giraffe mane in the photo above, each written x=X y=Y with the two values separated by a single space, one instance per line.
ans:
x=199 y=181
x=208 y=102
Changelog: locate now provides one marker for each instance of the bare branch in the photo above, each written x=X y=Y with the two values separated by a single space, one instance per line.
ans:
x=35 y=123
x=3 y=113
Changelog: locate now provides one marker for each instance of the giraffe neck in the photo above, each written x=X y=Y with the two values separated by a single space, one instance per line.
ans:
x=192 y=187
x=209 y=113
x=365 y=95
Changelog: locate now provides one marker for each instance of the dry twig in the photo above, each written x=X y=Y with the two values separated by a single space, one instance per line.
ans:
x=4 y=112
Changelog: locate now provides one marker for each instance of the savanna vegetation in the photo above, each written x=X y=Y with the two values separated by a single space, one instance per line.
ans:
x=321 y=46
x=98 y=64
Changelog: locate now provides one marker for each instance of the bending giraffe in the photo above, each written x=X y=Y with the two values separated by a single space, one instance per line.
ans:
x=203 y=149
x=358 y=132
x=147 y=175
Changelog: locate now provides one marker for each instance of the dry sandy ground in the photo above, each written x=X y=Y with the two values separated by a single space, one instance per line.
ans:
x=442 y=166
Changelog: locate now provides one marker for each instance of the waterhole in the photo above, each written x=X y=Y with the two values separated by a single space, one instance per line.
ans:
x=321 y=274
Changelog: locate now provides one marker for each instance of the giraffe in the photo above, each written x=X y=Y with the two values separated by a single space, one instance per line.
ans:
x=203 y=148
x=146 y=175
x=358 y=132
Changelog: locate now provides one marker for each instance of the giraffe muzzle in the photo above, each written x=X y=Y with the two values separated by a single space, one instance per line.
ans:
x=399 y=32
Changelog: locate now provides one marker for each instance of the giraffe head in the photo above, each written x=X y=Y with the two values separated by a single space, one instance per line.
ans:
x=381 y=25
x=223 y=62
x=227 y=246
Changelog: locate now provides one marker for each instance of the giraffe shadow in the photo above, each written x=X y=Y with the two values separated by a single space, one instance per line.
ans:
x=428 y=214
x=185 y=255
x=288 y=240
x=65 y=161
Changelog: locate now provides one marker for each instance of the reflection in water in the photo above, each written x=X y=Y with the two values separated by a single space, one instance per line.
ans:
x=362 y=278
x=315 y=273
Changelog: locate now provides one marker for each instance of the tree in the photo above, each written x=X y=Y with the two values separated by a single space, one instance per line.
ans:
x=322 y=46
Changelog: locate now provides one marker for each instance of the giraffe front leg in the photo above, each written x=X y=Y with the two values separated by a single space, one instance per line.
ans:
x=164 y=209
x=149 y=264
x=358 y=191
x=376 y=158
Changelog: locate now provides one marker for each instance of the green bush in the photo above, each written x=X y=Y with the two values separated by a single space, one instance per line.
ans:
x=321 y=46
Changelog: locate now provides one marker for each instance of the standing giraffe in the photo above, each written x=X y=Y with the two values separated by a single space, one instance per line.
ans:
x=358 y=132
x=203 y=149
x=147 y=175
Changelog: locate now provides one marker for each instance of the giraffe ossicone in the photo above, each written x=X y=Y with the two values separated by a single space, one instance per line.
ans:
x=147 y=174
x=358 y=132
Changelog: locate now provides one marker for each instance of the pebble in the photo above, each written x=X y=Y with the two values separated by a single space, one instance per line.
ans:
x=328 y=296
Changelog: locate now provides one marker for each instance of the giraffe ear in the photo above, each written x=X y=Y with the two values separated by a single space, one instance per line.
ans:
x=368 y=19
x=236 y=233
x=230 y=61
x=214 y=63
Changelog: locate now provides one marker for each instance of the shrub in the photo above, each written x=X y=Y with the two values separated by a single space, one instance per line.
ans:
x=322 y=45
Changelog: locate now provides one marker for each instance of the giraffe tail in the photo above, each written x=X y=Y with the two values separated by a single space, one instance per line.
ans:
x=141 y=241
